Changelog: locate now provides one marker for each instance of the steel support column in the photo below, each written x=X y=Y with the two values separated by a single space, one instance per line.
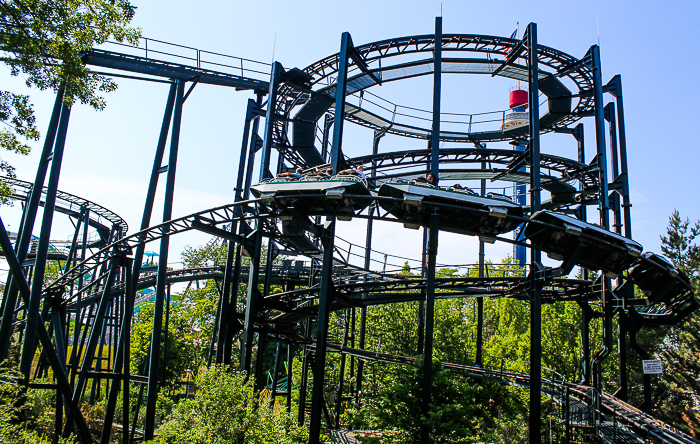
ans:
x=604 y=207
x=587 y=314
x=24 y=234
x=427 y=383
x=32 y=320
x=161 y=280
x=343 y=357
x=95 y=336
x=480 y=301
x=56 y=362
x=535 y=255
x=615 y=88
x=121 y=365
x=325 y=296
x=254 y=268
x=437 y=87
x=367 y=261
x=226 y=307
x=275 y=372
x=601 y=150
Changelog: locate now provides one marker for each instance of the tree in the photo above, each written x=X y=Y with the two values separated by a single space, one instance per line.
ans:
x=227 y=409
x=677 y=394
x=24 y=413
x=43 y=41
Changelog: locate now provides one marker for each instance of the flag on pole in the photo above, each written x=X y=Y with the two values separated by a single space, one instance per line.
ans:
x=506 y=49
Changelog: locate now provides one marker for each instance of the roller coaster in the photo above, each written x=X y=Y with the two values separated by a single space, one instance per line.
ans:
x=303 y=111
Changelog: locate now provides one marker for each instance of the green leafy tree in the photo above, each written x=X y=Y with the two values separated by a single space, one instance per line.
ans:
x=25 y=415
x=677 y=394
x=227 y=409
x=42 y=40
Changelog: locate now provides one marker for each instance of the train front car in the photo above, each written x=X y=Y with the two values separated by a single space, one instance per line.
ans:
x=341 y=196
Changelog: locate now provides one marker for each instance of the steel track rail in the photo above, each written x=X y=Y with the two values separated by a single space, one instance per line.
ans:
x=70 y=203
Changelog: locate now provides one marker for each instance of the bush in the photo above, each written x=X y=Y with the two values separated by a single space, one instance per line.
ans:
x=226 y=409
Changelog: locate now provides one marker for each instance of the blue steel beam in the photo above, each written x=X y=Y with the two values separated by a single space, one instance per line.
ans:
x=27 y=225
x=535 y=256
x=427 y=383
x=154 y=365
x=327 y=241
x=30 y=329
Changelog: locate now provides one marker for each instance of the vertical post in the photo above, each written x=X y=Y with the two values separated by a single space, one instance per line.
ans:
x=343 y=357
x=259 y=370
x=427 y=383
x=520 y=198
x=79 y=299
x=368 y=256
x=154 y=358
x=57 y=314
x=30 y=330
x=586 y=317
x=95 y=335
x=290 y=362
x=480 y=301
x=604 y=208
x=254 y=268
x=600 y=136
x=126 y=352
x=327 y=124
x=622 y=355
x=255 y=144
x=626 y=205
x=327 y=241
x=225 y=305
x=275 y=373
x=609 y=116
x=535 y=255
x=276 y=75
x=615 y=88
x=437 y=86
x=24 y=234
x=421 y=301
x=304 y=377
x=121 y=365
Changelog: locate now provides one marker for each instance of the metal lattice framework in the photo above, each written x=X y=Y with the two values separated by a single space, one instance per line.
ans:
x=92 y=301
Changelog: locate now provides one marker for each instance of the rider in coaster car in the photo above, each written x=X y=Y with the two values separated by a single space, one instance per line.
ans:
x=359 y=170
x=296 y=174
x=324 y=174
x=430 y=180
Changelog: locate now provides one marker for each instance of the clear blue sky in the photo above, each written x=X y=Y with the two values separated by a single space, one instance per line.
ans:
x=109 y=154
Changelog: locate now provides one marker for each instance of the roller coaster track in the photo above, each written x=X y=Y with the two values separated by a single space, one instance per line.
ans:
x=70 y=204
x=209 y=221
x=286 y=309
x=554 y=168
x=615 y=421
x=320 y=87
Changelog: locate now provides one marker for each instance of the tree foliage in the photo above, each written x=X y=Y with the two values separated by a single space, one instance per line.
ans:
x=227 y=409
x=677 y=394
x=42 y=40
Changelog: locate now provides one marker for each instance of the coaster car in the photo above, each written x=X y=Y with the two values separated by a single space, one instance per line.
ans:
x=659 y=279
x=595 y=247
x=460 y=209
x=340 y=195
